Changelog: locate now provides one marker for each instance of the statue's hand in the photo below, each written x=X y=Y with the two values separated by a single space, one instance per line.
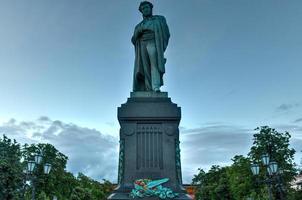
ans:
x=139 y=30
x=137 y=33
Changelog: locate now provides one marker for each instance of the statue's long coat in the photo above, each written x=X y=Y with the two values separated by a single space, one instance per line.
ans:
x=162 y=36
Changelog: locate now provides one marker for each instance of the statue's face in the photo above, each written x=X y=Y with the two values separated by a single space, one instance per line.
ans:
x=146 y=10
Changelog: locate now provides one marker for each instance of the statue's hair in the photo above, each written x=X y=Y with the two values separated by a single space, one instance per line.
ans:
x=143 y=3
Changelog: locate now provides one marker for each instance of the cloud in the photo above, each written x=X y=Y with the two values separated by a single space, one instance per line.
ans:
x=88 y=150
x=298 y=120
x=296 y=143
x=44 y=119
x=288 y=127
x=212 y=145
x=96 y=154
x=287 y=107
x=217 y=144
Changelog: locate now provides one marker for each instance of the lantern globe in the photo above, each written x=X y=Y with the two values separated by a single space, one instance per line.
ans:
x=273 y=167
x=30 y=166
x=38 y=158
x=47 y=168
x=265 y=159
x=255 y=169
x=269 y=171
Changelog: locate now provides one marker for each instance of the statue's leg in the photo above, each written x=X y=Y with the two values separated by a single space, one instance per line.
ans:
x=155 y=75
x=146 y=65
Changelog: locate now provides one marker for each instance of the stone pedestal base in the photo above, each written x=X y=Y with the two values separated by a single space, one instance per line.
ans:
x=149 y=143
x=125 y=196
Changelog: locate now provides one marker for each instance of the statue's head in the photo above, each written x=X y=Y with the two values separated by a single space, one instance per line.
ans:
x=145 y=7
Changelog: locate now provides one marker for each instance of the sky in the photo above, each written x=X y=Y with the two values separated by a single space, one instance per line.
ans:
x=66 y=65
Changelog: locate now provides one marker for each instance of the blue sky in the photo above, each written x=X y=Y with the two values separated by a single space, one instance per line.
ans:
x=231 y=66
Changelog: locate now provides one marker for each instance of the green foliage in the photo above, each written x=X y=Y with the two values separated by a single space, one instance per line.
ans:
x=42 y=196
x=58 y=182
x=48 y=183
x=79 y=193
x=96 y=189
x=212 y=185
x=11 y=176
x=236 y=182
x=294 y=194
x=200 y=181
x=240 y=177
x=276 y=144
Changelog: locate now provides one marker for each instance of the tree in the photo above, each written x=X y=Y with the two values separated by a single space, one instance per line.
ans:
x=242 y=183
x=199 y=181
x=240 y=178
x=11 y=180
x=80 y=193
x=276 y=144
x=236 y=182
x=212 y=185
x=58 y=182
x=48 y=183
x=97 y=189
x=42 y=196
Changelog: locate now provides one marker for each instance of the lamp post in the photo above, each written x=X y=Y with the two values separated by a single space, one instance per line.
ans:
x=272 y=174
x=31 y=166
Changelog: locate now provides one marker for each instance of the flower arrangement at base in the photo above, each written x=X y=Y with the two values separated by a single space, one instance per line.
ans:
x=148 y=188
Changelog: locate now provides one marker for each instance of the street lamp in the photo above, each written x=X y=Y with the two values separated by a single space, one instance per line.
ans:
x=271 y=172
x=31 y=166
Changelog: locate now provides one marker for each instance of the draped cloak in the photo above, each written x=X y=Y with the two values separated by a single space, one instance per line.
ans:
x=162 y=35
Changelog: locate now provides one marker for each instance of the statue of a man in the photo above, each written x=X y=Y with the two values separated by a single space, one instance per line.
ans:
x=150 y=39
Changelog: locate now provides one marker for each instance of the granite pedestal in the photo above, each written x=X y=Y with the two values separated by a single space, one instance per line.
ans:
x=149 y=143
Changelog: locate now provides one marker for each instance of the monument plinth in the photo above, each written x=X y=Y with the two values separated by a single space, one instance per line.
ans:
x=149 y=143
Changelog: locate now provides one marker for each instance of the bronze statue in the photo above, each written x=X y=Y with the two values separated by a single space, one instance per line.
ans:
x=150 y=39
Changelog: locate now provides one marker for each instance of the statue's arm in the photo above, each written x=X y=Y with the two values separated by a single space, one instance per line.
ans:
x=166 y=32
x=136 y=34
x=166 y=27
